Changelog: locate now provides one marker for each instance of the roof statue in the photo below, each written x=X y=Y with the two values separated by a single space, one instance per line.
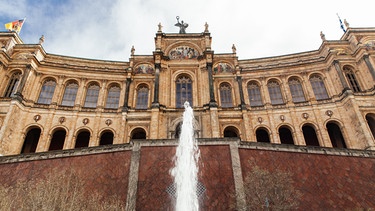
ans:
x=132 y=50
x=346 y=23
x=182 y=25
x=41 y=40
x=206 y=27
x=322 y=36
x=160 y=27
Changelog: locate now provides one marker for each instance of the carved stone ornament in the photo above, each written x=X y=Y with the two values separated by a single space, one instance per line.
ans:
x=108 y=122
x=37 y=117
x=260 y=119
x=305 y=115
x=282 y=118
x=62 y=120
x=329 y=113
x=85 y=121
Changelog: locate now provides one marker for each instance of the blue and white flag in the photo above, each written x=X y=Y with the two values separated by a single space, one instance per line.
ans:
x=341 y=25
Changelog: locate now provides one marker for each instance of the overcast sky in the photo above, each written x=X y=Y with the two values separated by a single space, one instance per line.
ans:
x=106 y=29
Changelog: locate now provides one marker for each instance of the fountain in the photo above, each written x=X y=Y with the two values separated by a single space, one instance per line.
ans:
x=185 y=171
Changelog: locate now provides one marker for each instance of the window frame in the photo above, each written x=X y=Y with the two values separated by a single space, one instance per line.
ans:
x=113 y=97
x=226 y=99
x=46 y=92
x=256 y=93
x=92 y=96
x=352 y=79
x=319 y=88
x=70 y=94
x=184 y=95
x=296 y=90
x=274 y=91
x=13 y=83
x=142 y=97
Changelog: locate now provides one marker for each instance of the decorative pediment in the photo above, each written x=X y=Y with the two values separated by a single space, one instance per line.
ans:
x=223 y=67
x=370 y=45
x=183 y=52
x=144 y=69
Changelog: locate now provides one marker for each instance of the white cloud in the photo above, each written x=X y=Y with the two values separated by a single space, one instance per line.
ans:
x=107 y=29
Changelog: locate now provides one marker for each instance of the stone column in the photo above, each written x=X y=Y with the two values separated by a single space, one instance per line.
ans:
x=59 y=91
x=264 y=92
x=155 y=103
x=125 y=107
x=215 y=128
x=211 y=85
x=242 y=98
x=369 y=65
x=102 y=94
x=341 y=75
x=133 y=177
x=154 y=124
x=21 y=85
x=237 y=176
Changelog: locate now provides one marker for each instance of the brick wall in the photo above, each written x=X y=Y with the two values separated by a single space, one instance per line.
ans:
x=106 y=173
x=327 y=182
x=328 y=179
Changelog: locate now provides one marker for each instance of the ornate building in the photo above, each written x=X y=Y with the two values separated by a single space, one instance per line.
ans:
x=304 y=108
x=320 y=98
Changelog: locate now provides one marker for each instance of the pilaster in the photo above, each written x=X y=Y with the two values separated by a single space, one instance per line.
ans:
x=125 y=106
x=154 y=124
x=369 y=66
x=215 y=128
x=242 y=98
x=341 y=75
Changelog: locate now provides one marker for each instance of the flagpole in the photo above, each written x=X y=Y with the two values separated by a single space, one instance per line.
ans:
x=341 y=25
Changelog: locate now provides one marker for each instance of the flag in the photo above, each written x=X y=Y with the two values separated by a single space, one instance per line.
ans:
x=15 y=25
x=341 y=25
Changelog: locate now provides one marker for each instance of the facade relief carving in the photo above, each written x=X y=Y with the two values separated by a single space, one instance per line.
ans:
x=144 y=69
x=183 y=52
x=223 y=68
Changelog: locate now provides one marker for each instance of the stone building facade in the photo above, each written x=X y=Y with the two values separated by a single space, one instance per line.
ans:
x=116 y=124
x=320 y=98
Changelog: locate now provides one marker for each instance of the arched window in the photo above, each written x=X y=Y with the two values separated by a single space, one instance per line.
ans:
x=352 y=79
x=142 y=97
x=371 y=123
x=92 y=94
x=70 y=94
x=106 y=138
x=285 y=135
x=226 y=95
x=113 y=97
x=138 y=133
x=253 y=90
x=262 y=135
x=13 y=84
x=46 y=94
x=310 y=136
x=296 y=90
x=231 y=132
x=83 y=139
x=318 y=87
x=177 y=132
x=184 y=91
x=57 y=140
x=31 y=141
x=335 y=135
x=275 y=93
